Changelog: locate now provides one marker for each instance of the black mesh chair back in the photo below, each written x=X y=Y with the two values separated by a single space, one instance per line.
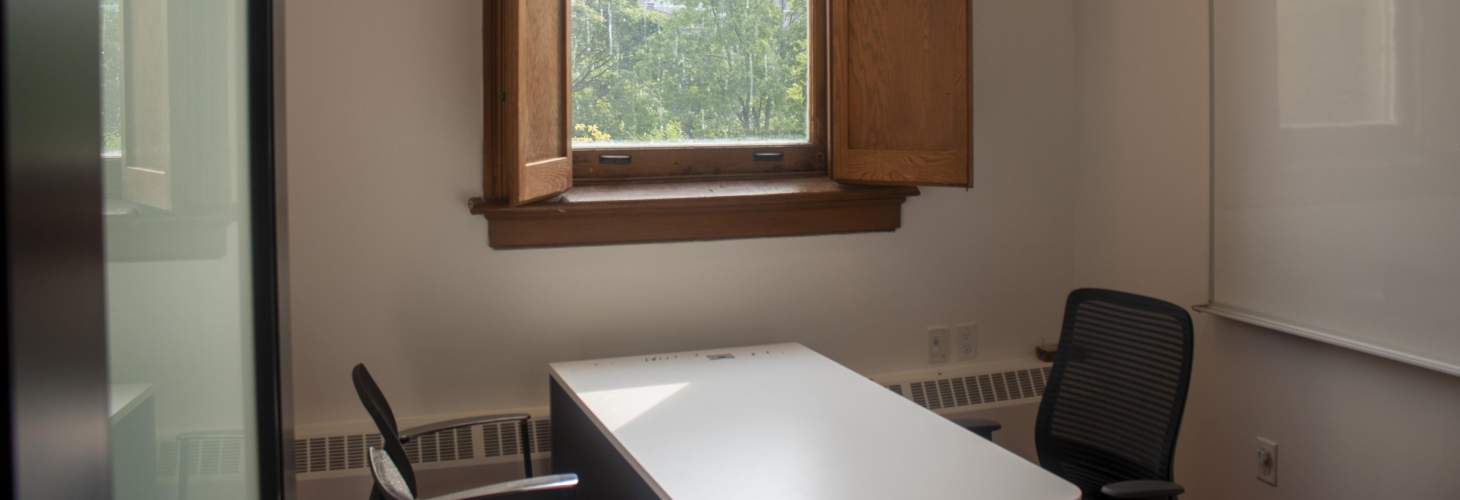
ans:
x=1116 y=393
x=379 y=409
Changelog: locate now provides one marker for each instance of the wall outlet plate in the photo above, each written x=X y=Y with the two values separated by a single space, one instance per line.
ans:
x=965 y=341
x=938 y=338
x=1267 y=460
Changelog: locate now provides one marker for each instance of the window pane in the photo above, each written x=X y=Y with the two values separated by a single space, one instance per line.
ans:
x=111 y=78
x=689 y=71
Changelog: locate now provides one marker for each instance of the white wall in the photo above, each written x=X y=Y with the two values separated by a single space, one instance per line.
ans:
x=1141 y=201
x=384 y=133
x=1350 y=426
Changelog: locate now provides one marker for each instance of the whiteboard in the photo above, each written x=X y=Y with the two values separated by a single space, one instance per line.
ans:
x=1336 y=172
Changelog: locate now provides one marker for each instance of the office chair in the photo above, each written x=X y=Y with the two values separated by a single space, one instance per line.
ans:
x=1112 y=408
x=394 y=478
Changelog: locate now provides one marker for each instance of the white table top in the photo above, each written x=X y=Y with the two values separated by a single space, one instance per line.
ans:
x=782 y=421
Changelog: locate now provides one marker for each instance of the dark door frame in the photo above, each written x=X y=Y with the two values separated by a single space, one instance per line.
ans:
x=271 y=345
x=55 y=310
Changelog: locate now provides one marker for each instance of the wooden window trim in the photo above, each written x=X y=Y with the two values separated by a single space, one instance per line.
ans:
x=696 y=162
x=687 y=210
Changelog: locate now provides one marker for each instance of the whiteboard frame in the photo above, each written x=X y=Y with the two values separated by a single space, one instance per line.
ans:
x=1252 y=318
x=1241 y=315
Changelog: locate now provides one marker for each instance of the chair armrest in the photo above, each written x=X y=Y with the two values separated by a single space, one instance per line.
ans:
x=543 y=483
x=1142 y=489
x=392 y=485
x=981 y=426
x=406 y=435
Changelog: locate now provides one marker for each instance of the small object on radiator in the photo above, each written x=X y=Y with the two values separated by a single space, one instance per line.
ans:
x=1045 y=352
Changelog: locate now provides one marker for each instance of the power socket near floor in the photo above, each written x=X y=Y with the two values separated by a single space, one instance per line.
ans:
x=1267 y=460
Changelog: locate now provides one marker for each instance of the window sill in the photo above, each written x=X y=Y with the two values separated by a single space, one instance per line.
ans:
x=642 y=212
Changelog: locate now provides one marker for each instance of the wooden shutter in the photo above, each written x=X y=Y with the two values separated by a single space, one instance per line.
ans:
x=901 y=108
x=536 y=109
x=147 y=176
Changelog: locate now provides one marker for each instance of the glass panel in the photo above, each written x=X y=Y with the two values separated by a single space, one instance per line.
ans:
x=689 y=71
x=179 y=315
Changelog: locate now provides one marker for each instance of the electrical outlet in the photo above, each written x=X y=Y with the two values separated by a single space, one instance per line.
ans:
x=965 y=340
x=938 y=344
x=1267 y=460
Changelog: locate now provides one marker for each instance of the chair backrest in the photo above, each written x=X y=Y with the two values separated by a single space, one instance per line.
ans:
x=1117 y=391
x=379 y=409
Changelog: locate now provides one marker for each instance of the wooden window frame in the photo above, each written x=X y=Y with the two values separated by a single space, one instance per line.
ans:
x=704 y=192
x=698 y=162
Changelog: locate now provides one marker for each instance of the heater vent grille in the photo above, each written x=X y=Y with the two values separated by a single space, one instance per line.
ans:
x=347 y=452
x=205 y=454
x=975 y=390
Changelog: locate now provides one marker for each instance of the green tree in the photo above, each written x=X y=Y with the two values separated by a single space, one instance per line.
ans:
x=112 y=73
x=692 y=70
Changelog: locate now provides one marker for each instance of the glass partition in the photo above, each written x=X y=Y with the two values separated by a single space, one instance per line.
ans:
x=175 y=141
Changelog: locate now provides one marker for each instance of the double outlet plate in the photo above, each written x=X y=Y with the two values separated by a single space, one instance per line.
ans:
x=959 y=342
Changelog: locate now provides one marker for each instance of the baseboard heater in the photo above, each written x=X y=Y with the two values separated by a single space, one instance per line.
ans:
x=947 y=391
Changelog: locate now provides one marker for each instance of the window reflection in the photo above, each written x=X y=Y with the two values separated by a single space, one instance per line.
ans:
x=175 y=154
x=1336 y=62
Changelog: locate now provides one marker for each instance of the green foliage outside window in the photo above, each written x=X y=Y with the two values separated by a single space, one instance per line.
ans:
x=111 y=77
x=690 y=70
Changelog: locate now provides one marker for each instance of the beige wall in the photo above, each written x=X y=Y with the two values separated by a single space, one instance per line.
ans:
x=1350 y=426
x=384 y=129
x=1141 y=200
